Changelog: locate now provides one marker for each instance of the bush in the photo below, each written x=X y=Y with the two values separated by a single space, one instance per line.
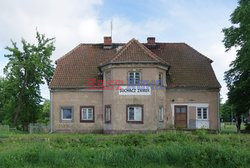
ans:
x=202 y=135
x=132 y=140
x=170 y=149
x=247 y=127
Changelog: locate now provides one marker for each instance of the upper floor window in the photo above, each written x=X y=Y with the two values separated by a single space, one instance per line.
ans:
x=202 y=113
x=87 y=114
x=160 y=79
x=108 y=75
x=134 y=77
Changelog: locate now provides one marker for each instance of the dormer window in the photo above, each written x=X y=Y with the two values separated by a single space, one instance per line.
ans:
x=134 y=77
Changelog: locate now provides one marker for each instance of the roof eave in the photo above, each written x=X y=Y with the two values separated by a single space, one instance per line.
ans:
x=133 y=62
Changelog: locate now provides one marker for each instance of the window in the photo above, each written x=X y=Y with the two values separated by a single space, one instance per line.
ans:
x=160 y=79
x=202 y=113
x=87 y=114
x=107 y=113
x=180 y=109
x=135 y=113
x=134 y=77
x=66 y=113
x=161 y=111
x=108 y=75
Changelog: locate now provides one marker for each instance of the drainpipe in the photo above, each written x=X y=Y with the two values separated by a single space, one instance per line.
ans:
x=218 y=114
x=51 y=108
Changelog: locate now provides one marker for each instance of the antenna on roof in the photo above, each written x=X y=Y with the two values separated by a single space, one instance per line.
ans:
x=111 y=27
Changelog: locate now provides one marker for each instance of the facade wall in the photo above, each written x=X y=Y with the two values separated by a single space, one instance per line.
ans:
x=151 y=103
x=76 y=99
x=193 y=99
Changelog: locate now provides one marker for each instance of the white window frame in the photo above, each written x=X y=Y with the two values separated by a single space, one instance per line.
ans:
x=67 y=119
x=202 y=113
x=87 y=113
x=161 y=114
x=128 y=113
x=134 y=77
x=107 y=107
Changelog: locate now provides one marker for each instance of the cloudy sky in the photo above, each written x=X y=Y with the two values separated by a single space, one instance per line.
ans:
x=195 y=22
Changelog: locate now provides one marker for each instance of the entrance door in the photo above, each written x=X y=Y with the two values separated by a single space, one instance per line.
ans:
x=180 y=116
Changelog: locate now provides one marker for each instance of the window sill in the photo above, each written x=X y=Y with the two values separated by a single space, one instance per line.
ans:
x=87 y=121
x=66 y=121
x=135 y=122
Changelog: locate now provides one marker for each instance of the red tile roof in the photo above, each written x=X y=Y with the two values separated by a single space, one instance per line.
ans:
x=135 y=52
x=188 y=68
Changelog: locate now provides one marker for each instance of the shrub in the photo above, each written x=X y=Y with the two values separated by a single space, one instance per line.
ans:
x=132 y=140
x=202 y=135
x=247 y=127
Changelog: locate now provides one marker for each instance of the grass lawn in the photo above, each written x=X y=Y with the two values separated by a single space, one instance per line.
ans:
x=166 y=149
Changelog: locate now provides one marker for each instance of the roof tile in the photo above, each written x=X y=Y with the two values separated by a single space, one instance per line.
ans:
x=188 y=68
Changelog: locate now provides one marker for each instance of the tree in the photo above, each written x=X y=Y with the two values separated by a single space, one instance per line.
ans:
x=2 y=97
x=238 y=76
x=226 y=112
x=26 y=70
x=45 y=112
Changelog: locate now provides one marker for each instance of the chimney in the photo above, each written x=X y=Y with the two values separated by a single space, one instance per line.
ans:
x=151 y=40
x=107 y=41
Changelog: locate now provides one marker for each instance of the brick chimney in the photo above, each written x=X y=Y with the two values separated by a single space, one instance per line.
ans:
x=151 y=40
x=107 y=41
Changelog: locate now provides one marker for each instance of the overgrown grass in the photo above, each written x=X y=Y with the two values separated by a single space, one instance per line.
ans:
x=166 y=149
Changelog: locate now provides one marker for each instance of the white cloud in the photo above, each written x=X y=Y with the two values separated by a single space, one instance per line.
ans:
x=221 y=63
x=71 y=22
x=78 y=21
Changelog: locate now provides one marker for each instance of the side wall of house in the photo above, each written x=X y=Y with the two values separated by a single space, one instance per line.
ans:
x=75 y=99
x=194 y=99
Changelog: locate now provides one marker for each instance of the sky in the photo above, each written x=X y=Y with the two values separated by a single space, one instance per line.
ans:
x=195 y=22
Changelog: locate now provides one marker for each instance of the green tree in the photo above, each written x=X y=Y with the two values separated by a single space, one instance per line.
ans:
x=45 y=112
x=226 y=112
x=2 y=97
x=26 y=70
x=238 y=76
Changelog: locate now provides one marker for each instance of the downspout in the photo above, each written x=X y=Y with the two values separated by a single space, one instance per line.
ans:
x=51 y=112
x=218 y=114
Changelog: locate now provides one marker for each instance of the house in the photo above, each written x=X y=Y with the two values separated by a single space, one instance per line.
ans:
x=133 y=87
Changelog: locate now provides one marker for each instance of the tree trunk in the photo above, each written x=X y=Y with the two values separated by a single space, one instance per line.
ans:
x=17 y=111
x=238 y=123
x=25 y=126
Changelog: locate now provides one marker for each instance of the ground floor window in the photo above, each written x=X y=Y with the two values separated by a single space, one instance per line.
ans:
x=161 y=112
x=202 y=113
x=135 y=113
x=66 y=113
x=107 y=113
x=87 y=114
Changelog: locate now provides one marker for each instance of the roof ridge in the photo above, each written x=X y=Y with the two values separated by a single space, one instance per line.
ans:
x=153 y=55
x=122 y=49
x=144 y=49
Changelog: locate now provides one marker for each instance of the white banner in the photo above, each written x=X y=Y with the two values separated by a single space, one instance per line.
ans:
x=135 y=90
